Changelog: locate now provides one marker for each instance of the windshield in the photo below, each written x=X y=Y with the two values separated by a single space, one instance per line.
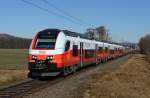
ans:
x=45 y=45
x=46 y=39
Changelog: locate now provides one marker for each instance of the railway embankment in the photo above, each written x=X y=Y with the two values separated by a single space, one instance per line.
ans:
x=131 y=80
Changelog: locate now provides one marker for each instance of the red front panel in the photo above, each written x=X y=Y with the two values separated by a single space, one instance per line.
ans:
x=56 y=59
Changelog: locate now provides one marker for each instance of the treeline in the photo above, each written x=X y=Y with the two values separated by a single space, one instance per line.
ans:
x=14 y=43
x=144 y=45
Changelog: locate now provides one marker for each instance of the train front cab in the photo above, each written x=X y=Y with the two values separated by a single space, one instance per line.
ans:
x=46 y=53
x=52 y=53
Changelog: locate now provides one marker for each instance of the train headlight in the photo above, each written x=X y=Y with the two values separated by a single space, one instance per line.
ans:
x=49 y=57
x=34 y=57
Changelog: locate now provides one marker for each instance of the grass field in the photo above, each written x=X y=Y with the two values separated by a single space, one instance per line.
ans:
x=13 y=58
x=13 y=65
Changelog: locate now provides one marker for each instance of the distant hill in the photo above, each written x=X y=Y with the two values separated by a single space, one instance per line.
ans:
x=4 y=35
x=11 y=42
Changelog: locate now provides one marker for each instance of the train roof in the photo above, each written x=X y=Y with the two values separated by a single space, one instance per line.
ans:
x=66 y=32
x=49 y=30
x=75 y=34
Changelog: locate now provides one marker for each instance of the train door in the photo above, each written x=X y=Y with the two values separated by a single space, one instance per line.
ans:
x=103 y=52
x=96 y=53
x=81 y=54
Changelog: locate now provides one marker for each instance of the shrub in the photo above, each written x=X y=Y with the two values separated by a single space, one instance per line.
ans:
x=144 y=45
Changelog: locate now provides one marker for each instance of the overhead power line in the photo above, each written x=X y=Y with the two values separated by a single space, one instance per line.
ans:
x=66 y=13
x=49 y=11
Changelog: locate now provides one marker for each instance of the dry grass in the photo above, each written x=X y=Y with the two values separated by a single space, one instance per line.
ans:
x=132 y=80
x=13 y=58
x=13 y=65
x=148 y=57
x=10 y=76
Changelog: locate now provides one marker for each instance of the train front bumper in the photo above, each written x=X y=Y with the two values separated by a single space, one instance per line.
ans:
x=43 y=69
x=44 y=74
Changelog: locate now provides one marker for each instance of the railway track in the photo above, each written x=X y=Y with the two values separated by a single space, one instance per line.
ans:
x=27 y=87
x=19 y=89
x=30 y=86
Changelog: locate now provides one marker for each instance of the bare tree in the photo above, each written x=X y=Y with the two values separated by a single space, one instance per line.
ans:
x=144 y=45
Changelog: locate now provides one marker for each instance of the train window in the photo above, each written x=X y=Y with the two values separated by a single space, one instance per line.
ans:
x=115 y=49
x=46 y=39
x=75 y=50
x=100 y=49
x=45 y=43
x=67 y=47
x=112 y=51
x=106 y=49
x=89 y=53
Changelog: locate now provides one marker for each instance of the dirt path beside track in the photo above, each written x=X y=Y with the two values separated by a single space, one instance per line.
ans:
x=77 y=86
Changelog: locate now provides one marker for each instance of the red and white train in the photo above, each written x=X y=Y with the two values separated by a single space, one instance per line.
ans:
x=55 y=51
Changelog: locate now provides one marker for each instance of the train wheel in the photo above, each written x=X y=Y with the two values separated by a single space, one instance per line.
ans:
x=102 y=61
x=96 y=63
x=73 y=69
x=65 y=72
x=77 y=67
x=106 y=59
x=29 y=75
